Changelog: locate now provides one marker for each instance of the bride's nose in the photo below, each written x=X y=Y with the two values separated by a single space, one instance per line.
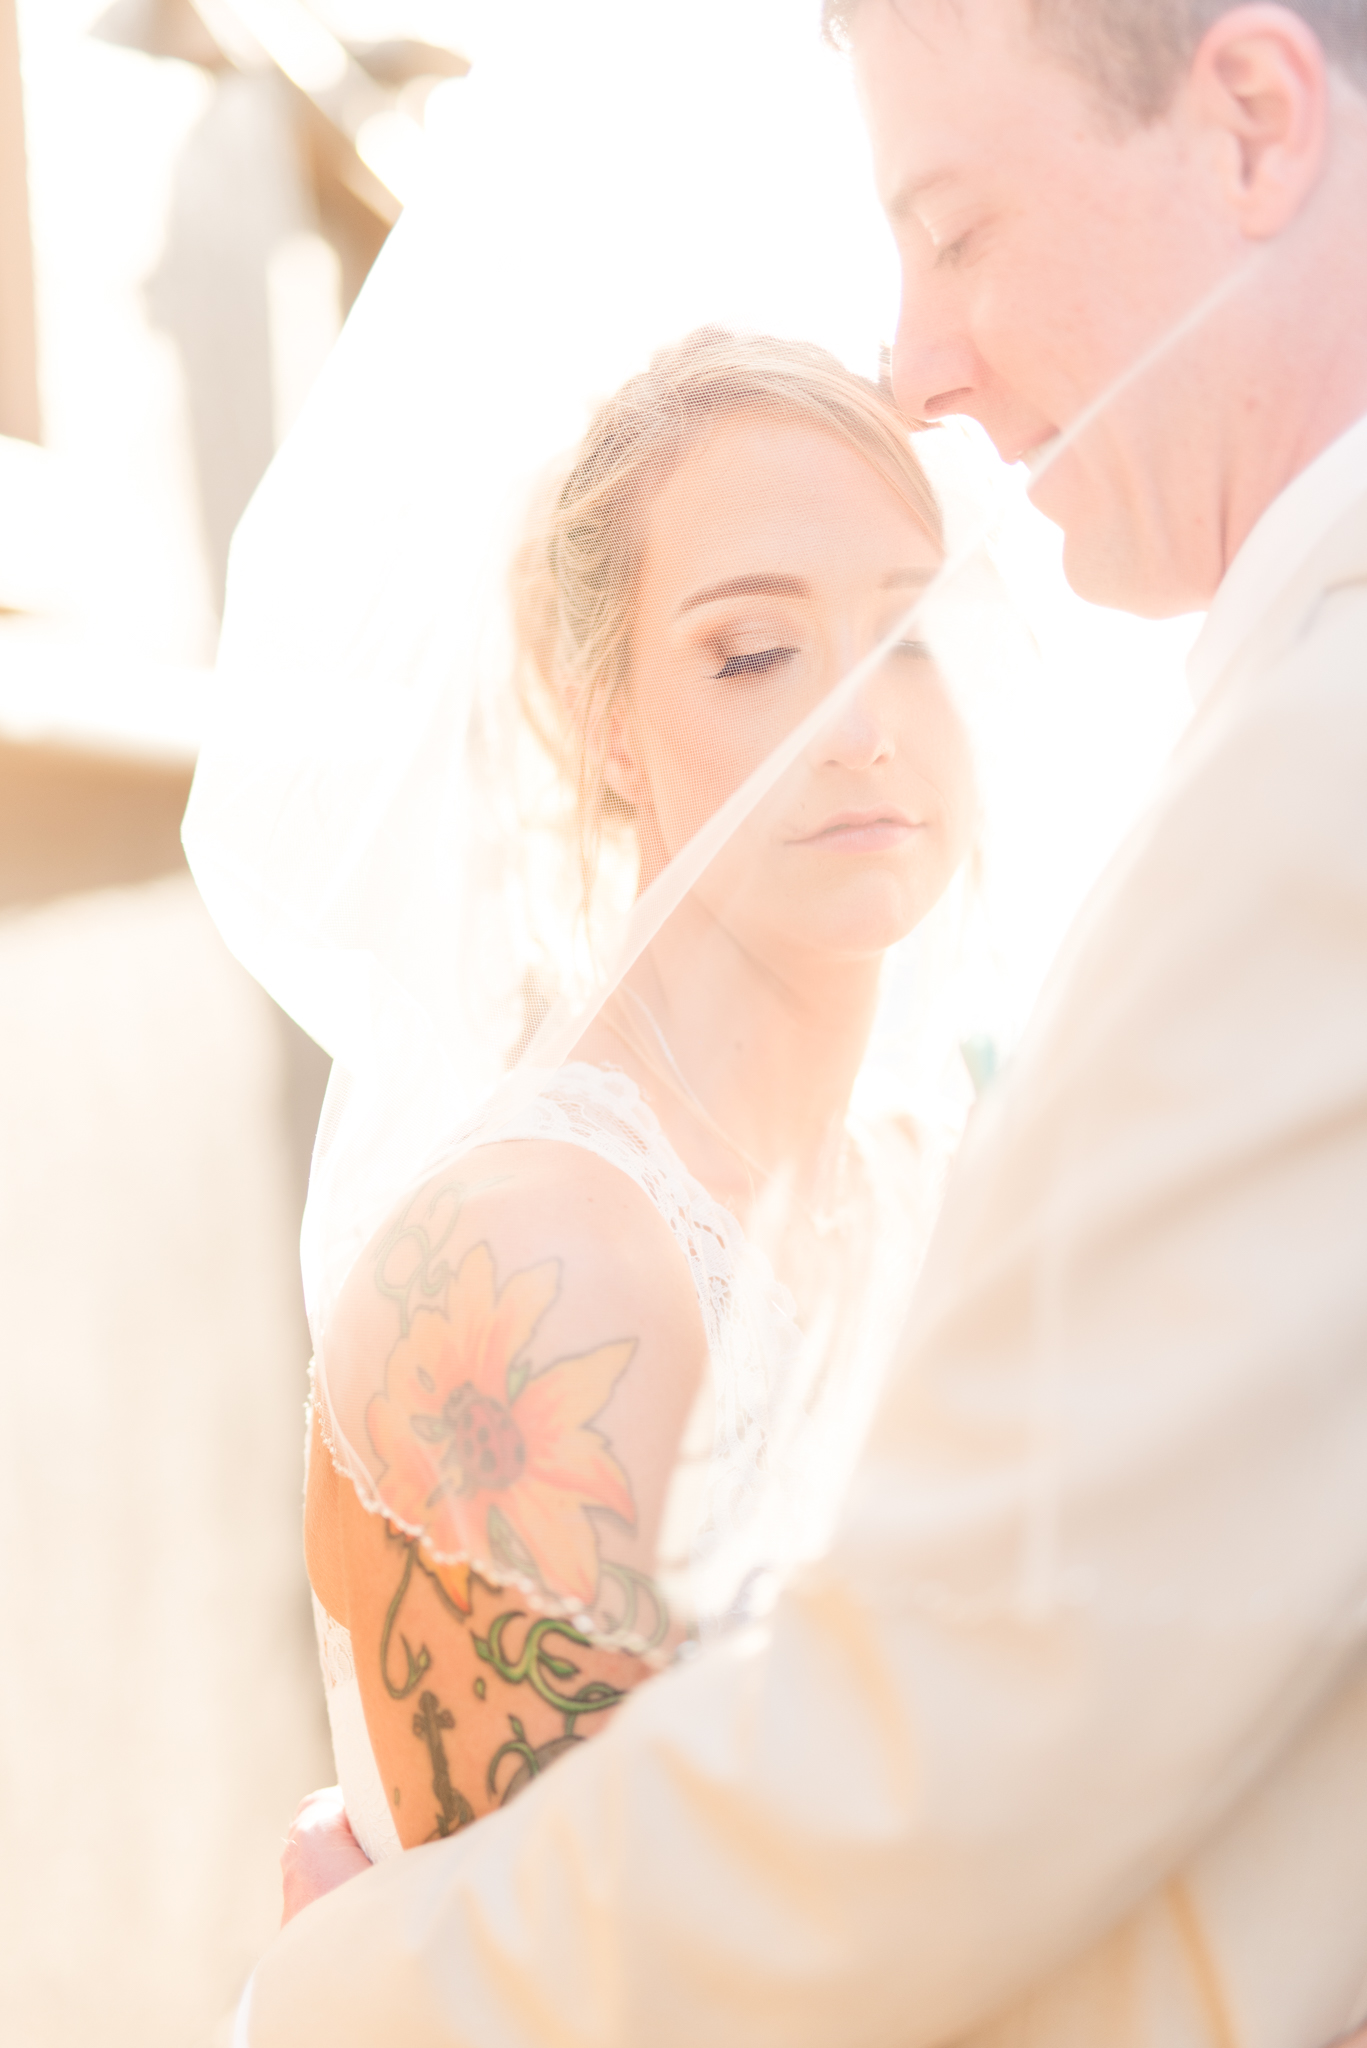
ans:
x=856 y=738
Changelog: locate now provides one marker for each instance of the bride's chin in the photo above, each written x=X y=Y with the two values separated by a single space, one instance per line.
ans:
x=857 y=918
x=870 y=915
x=844 y=941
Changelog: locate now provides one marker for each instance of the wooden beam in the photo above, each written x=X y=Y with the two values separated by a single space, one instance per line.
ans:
x=19 y=415
x=71 y=822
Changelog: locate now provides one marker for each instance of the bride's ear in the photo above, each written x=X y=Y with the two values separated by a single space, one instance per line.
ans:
x=622 y=772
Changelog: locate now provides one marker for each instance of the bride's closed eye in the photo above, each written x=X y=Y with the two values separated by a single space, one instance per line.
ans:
x=761 y=663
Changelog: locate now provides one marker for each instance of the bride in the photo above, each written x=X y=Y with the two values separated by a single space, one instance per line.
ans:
x=598 y=1378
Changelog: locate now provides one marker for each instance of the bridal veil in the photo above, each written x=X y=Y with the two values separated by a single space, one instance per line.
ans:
x=391 y=833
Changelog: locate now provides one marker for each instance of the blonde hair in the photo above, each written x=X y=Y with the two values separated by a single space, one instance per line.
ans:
x=574 y=578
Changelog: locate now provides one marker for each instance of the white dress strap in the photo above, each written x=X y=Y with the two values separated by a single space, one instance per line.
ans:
x=601 y=1110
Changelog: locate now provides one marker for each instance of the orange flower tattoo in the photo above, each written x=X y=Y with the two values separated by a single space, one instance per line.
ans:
x=464 y=1428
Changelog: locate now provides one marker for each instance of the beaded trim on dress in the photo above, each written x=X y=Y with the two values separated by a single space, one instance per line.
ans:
x=601 y=1110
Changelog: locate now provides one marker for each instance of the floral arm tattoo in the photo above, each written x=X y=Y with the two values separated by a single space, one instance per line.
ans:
x=484 y=1463
x=487 y=1462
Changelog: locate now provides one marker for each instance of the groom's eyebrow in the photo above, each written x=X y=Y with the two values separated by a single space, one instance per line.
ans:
x=760 y=585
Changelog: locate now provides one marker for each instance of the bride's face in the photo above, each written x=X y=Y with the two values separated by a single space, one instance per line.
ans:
x=774 y=558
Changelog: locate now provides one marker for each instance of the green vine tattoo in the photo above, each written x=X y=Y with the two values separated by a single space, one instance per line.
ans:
x=409 y=1258
x=416 y=1666
x=632 y=1584
x=454 y=1810
x=534 y=1761
x=539 y=1666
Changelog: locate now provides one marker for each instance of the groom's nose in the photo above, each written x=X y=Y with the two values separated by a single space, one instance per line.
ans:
x=938 y=369
x=934 y=364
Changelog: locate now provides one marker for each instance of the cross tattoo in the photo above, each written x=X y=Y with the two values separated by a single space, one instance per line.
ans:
x=454 y=1810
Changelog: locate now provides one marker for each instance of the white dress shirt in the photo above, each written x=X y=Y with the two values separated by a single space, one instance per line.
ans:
x=1065 y=1742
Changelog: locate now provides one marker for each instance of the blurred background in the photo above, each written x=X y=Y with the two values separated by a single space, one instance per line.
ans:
x=191 y=195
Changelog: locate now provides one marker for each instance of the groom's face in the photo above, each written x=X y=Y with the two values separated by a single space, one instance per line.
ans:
x=1045 y=246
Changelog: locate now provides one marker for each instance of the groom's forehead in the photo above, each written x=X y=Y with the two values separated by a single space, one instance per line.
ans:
x=971 y=46
x=962 y=94
x=943 y=68
x=931 y=21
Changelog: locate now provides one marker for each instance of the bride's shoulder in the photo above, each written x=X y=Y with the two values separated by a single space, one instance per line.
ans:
x=529 y=1227
x=539 y=1191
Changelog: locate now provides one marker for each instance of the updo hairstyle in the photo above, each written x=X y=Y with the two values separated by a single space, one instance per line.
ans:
x=574 y=577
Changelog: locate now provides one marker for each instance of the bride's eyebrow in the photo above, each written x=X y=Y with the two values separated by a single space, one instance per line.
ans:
x=747 y=586
x=774 y=585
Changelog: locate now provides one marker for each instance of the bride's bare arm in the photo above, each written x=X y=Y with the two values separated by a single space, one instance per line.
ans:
x=546 y=1354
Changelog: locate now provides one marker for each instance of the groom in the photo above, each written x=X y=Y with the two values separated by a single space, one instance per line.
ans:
x=1065 y=1742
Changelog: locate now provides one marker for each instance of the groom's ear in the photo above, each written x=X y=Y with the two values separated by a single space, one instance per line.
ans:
x=1258 y=88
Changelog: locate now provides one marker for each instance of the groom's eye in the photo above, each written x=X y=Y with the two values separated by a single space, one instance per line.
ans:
x=758 y=664
x=952 y=253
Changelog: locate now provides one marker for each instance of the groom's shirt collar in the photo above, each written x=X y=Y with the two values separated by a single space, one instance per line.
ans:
x=1279 y=546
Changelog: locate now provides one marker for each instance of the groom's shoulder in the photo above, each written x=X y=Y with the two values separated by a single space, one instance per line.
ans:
x=1307 y=661
x=1294 y=752
x=1279 y=757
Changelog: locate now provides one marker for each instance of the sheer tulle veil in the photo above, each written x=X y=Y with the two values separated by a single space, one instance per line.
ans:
x=379 y=831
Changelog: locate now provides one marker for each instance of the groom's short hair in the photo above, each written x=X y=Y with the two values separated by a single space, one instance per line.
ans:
x=1135 y=51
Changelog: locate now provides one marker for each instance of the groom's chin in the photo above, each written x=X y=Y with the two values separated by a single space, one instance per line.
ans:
x=1107 y=562
x=1109 y=574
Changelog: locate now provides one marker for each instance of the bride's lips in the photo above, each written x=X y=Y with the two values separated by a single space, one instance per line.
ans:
x=861 y=831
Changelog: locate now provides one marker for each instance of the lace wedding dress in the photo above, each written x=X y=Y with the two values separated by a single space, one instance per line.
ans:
x=769 y=1476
